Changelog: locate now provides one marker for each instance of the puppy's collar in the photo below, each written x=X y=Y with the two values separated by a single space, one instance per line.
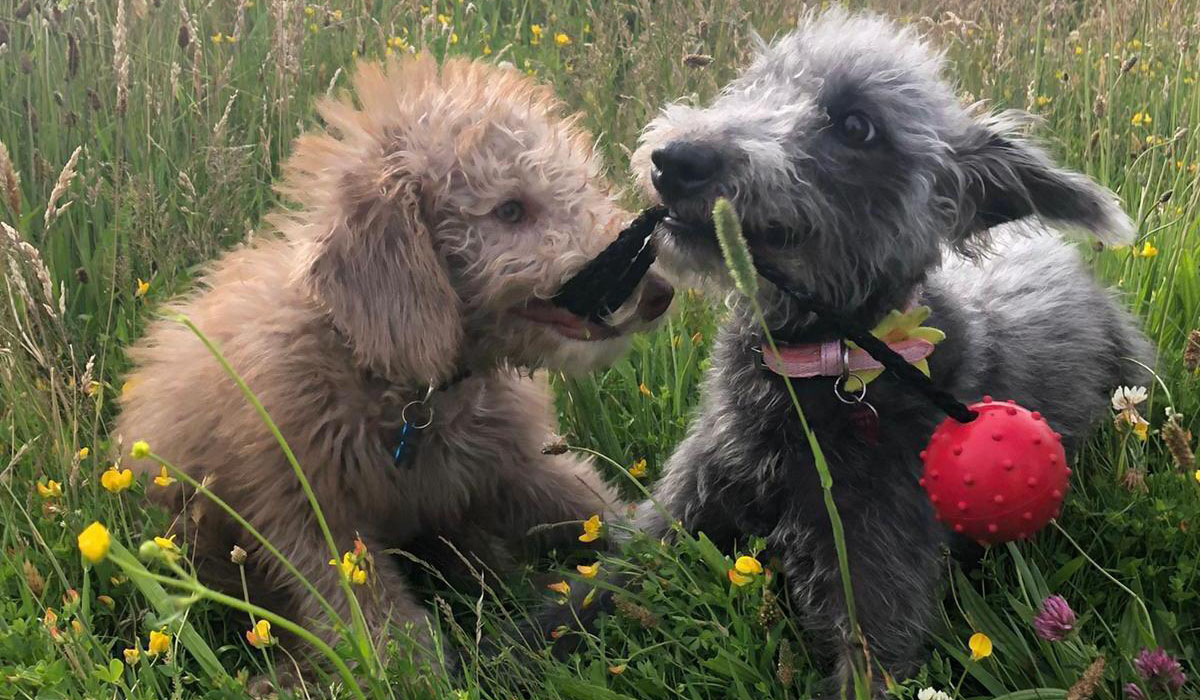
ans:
x=902 y=331
x=417 y=415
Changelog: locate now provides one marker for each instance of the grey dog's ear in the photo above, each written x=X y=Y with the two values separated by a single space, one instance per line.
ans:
x=1003 y=177
x=385 y=287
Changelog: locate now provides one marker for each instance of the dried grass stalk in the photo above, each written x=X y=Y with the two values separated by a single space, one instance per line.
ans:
x=10 y=182
x=53 y=211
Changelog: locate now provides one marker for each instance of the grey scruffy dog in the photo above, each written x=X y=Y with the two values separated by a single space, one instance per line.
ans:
x=861 y=179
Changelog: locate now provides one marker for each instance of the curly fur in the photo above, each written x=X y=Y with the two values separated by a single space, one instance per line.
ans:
x=950 y=200
x=390 y=275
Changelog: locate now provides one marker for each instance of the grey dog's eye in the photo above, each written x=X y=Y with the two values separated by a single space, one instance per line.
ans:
x=856 y=130
x=510 y=212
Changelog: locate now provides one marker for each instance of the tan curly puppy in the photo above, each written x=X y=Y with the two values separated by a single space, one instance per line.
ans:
x=436 y=213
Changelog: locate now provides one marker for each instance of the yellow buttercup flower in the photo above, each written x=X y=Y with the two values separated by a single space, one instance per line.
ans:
x=160 y=641
x=1146 y=251
x=50 y=489
x=142 y=285
x=443 y=20
x=487 y=50
x=638 y=470
x=94 y=542
x=132 y=655
x=163 y=478
x=561 y=587
x=216 y=38
x=562 y=39
x=588 y=570
x=116 y=481
x=1043 y=100
x=349 y=568
x=140 y=450
x=1141 y=119
x=980 y=645
x=259 y=636
x=535 y=31
x=591 y=529
x=1196 y=476
x=83 y=453
x=748 y=565
x=744 y=570
x=453 y=37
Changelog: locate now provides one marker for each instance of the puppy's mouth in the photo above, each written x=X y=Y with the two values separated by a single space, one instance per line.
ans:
x=563 y=322
x=679 y=225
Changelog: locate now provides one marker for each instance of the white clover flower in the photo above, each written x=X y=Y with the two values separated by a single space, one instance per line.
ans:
x=1125 y=398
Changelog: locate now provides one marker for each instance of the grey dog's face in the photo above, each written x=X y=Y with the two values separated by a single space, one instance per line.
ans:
x=851 y=164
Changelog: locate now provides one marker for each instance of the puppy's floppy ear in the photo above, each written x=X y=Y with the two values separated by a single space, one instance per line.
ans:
x=376 y=271
x=1004 y=177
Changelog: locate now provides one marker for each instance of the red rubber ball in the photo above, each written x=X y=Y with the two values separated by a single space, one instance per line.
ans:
x=999 y=478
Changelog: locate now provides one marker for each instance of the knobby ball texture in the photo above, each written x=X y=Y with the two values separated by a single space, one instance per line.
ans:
x=999 y=478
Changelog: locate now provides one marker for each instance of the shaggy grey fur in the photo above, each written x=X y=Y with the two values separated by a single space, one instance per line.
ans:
x=943 y=197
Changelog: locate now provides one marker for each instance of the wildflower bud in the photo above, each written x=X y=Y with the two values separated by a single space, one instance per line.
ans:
x=1165 y=196
x=185 y=36
x=1191 y=351
x=140 y=450
x=1099 y=107
x=697 y=60
x=237 y=555
x=1178 y=440
x=556 y=446
x=149 y=551
x=1133 y=692
x=1087 y=684
x=1129 y=64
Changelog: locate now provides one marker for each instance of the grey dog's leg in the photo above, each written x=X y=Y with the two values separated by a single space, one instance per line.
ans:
x=893 y=552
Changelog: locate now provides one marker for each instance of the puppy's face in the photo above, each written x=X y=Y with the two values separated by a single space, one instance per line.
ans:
x=448 y=204
x=851 y=163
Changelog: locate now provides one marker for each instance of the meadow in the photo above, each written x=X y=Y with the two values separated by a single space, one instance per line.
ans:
x=140 y=138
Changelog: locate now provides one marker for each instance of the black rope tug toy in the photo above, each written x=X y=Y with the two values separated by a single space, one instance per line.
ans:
x=608 y=280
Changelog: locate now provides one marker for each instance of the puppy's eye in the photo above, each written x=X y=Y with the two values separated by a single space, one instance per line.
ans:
x=510 y=212
x=856 y=130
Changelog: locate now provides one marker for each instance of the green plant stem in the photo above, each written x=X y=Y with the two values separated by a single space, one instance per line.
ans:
x=361 y=636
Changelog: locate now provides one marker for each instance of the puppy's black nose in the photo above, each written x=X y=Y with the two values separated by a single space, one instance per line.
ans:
x=682 y=168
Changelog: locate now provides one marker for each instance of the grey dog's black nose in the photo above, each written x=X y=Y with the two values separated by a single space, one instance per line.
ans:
x=682 y=168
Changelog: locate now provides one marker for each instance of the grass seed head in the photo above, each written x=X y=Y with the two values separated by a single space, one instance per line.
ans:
x=733 y=246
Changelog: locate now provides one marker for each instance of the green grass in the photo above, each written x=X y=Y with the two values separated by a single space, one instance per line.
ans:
x=181 y=168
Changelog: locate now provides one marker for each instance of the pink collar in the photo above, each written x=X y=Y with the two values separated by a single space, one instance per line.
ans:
x=832 y=358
